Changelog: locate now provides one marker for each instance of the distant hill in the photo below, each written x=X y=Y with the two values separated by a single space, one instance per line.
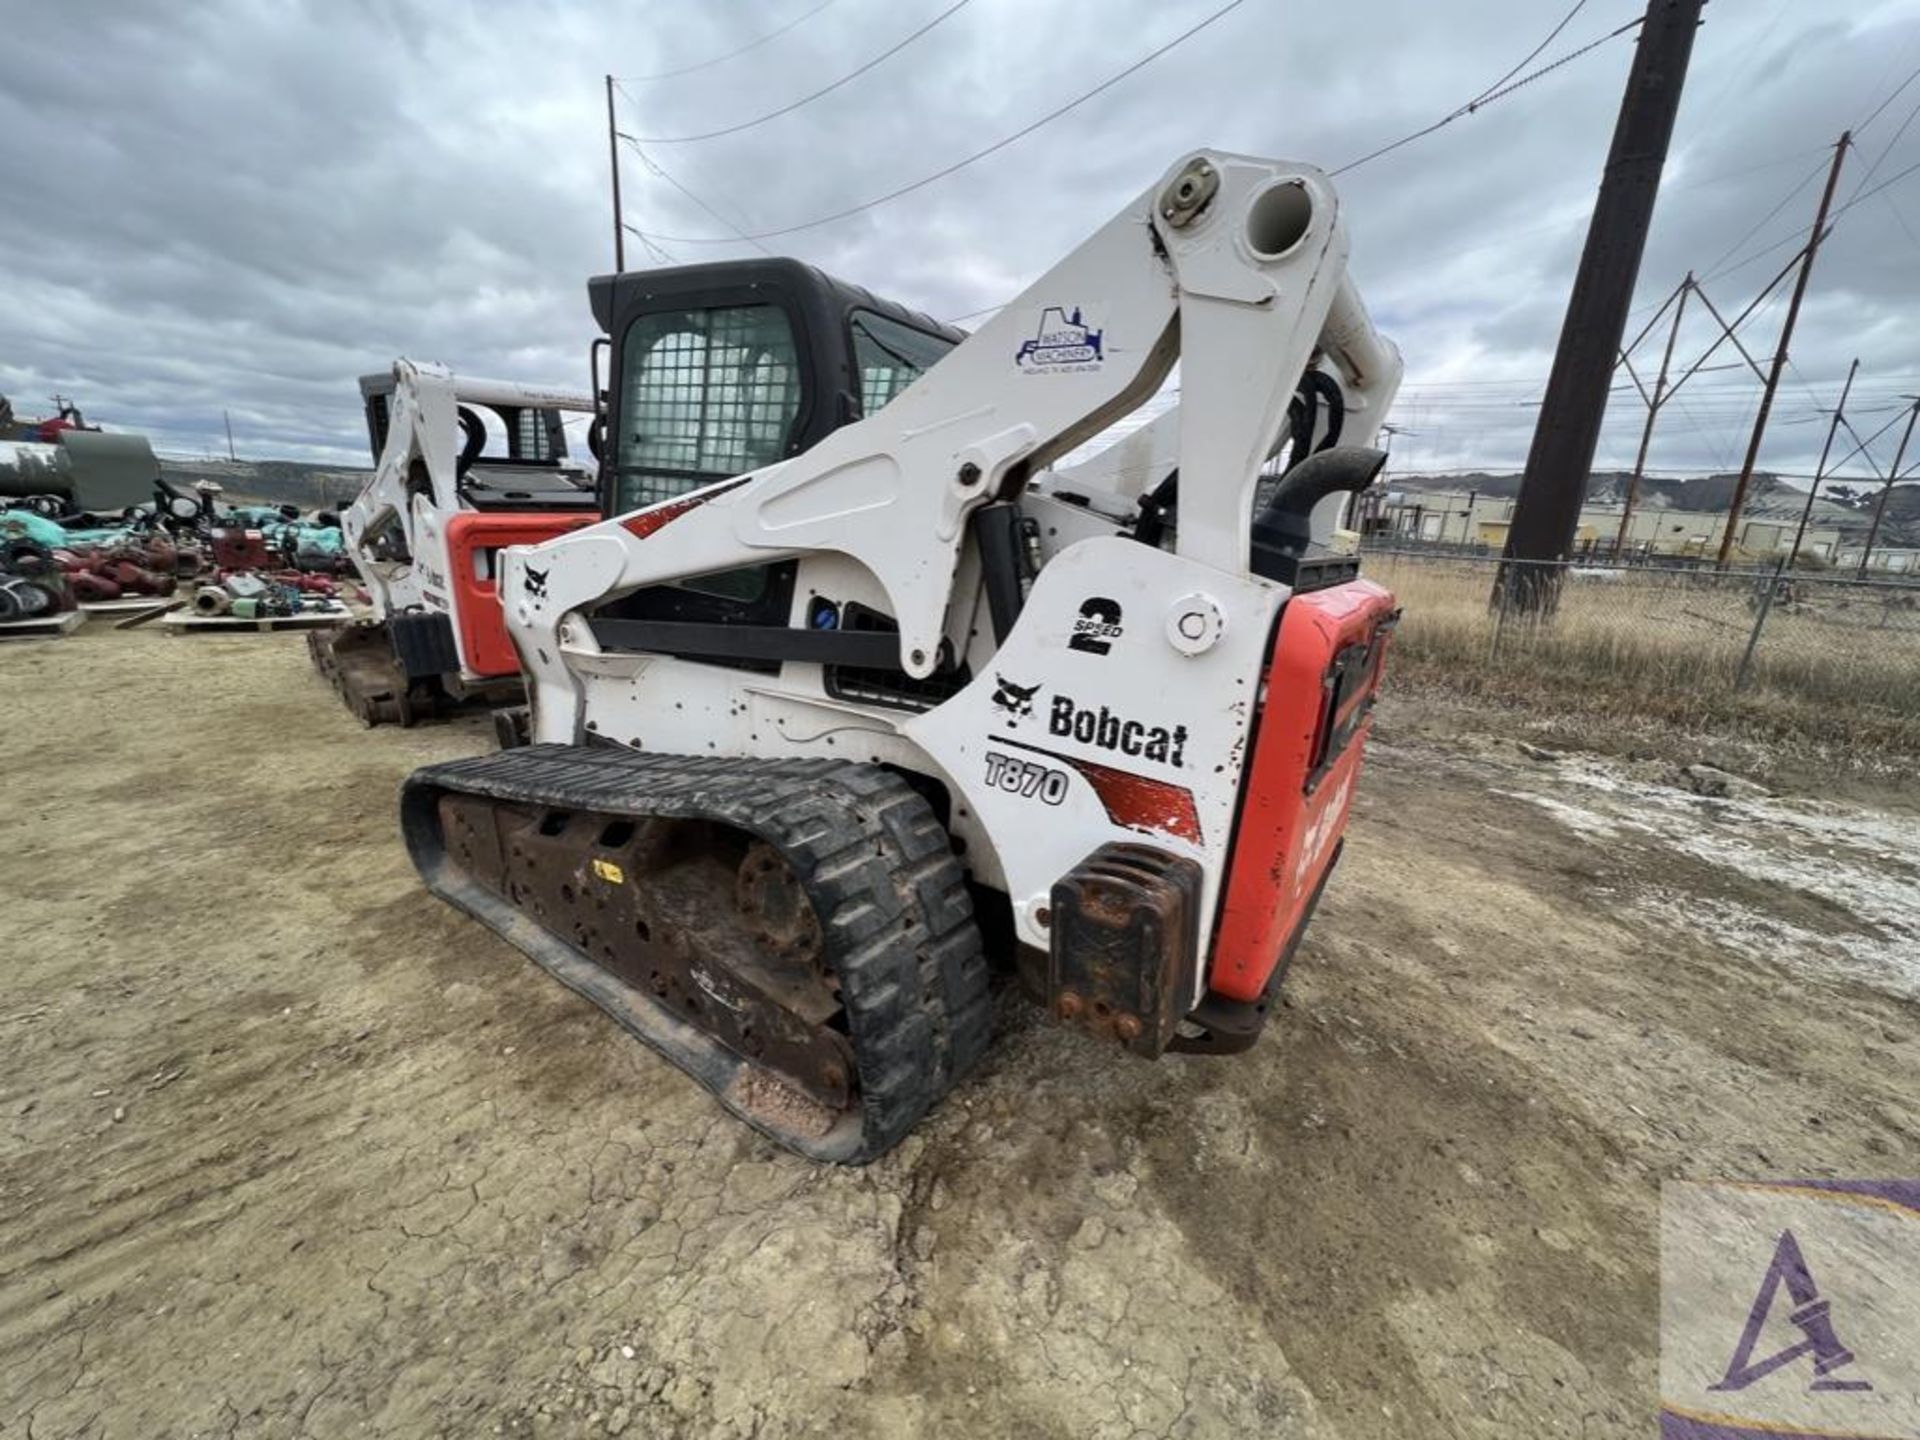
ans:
x=280 y=482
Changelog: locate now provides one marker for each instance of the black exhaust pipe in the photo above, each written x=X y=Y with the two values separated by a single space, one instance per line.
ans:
x=1283 y=530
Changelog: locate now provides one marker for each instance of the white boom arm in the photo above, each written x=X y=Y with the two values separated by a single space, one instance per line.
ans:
x=1243 y=295
x=393 y=529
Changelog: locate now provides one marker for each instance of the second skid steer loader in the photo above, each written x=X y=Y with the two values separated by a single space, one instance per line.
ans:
x=449 y=491
x=814 y=710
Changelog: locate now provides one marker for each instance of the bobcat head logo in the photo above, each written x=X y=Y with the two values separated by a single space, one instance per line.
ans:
x=1016 y=700
x=537 y=582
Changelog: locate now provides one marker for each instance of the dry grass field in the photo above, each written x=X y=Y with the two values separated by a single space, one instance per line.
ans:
x=1836 y=665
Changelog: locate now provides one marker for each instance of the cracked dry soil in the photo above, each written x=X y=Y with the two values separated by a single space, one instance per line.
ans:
x=291 y=1149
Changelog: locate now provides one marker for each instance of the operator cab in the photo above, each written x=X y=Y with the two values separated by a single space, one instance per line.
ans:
x=721 y=369
x=517 y=462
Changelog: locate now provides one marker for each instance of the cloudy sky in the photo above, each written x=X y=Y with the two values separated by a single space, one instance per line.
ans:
x=244 y=204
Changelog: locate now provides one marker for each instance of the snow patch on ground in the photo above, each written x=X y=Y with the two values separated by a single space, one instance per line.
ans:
x=1865 y=862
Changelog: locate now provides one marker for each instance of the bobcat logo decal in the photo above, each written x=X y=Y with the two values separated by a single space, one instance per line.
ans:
x=537 y=582
x=1016 y=700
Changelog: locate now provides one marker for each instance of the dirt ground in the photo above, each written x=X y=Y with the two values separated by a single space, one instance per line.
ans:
x=291 y=1149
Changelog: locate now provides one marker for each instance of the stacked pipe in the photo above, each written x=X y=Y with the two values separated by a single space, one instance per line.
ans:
x=152 y=566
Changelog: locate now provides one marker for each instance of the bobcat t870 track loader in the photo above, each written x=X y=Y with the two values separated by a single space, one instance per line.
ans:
x=449 y=491
x=826 y=701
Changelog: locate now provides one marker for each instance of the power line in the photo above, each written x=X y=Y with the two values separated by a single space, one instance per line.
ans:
x=1884 y=184
x=1739 y=71
x=1858 y=197
x=1486 y=97
x=997 y=146
x=1912 y=75
x=1834 y=220
x=1785 y=200
x=1533 y=54
x=721 y=59
x=660 y=255
x=1886 y=150
x=1714 y=273
x=656 y=168
x=846 y=79
x=1899 y=215
x=1497 y=91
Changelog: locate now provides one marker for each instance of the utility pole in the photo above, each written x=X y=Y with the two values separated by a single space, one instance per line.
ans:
x=1780 y=351
x=1653 y=413
x=1893 y=475
x=1547 y=516
x=224 y=415
x=613 y=159
x=1820 y=470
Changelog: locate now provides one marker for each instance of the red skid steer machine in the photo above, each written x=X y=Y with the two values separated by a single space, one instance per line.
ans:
x=852 y=677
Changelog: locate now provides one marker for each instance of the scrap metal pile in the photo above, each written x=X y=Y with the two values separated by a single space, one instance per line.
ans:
x=247 y=561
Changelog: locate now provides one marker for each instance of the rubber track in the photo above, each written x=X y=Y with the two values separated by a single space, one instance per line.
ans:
x=871 y=856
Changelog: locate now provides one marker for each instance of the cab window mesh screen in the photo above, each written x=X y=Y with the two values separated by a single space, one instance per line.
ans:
x=891 y=356
x=530 y=435
x=706 y=394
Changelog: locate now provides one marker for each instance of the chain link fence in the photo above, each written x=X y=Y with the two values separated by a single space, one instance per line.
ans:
x=1665 y=633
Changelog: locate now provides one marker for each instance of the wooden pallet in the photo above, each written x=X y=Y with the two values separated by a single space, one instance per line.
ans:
x=125 y=605
x=52 y=627
x=183 y=622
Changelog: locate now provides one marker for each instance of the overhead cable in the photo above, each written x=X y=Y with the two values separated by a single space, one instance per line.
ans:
x=982 y=154
x=722 y=59
x=1487 y=97
x=1497 y=91
x=788 y=109
x=656 y=168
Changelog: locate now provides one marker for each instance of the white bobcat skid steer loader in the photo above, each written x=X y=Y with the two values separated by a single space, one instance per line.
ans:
x=803 y=732
x=447 y=495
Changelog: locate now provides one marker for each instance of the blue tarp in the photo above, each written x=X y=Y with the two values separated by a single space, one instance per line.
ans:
x=25 y=525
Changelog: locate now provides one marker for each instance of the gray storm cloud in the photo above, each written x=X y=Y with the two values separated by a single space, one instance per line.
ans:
x=244 y=205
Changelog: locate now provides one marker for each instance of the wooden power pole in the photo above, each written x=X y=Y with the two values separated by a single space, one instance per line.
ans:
x=1780 y=351
x=613 y=159
x=1547 y=517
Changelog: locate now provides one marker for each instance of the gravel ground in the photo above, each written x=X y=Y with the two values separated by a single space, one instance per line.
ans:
x=292 y=1149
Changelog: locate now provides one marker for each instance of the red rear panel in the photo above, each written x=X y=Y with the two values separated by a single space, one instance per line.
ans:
x=484 y=645
x=1320 y=681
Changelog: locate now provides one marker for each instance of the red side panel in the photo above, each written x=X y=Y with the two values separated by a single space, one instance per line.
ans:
x=476 y=601
x=1299 y=785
